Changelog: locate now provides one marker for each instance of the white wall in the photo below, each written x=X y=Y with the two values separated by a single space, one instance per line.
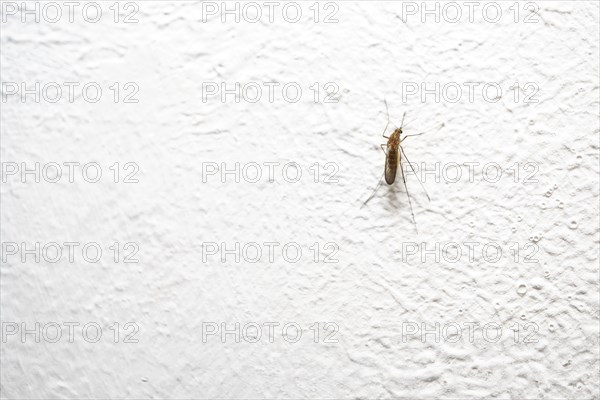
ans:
x=376 y=292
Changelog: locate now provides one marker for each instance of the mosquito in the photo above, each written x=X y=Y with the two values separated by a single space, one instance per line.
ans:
x=393 y=158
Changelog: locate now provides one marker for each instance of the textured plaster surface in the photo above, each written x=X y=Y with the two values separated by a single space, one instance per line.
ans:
x=374 y=292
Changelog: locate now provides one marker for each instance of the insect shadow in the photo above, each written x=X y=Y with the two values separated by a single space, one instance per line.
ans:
x=394 y=154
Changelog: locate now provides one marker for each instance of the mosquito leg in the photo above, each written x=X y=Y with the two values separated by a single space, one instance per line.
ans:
x=411 y=167
x=415 y=134
x=380 y=180
x=409 y=202
x=374 y=191
x=422 y=133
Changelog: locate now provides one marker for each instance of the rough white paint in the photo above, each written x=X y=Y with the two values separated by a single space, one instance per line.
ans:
x=371 y=292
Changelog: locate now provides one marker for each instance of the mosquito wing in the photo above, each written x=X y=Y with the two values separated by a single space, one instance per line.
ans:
x=391 y=166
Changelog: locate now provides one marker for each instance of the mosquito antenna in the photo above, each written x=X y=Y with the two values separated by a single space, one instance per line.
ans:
x=402 y=123
x=411 y=167
x=387 y=113
x=409 y=202
x=410 y=120
x=424 y=132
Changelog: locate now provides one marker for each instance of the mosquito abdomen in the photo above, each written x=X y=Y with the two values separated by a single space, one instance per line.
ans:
x=391 y=165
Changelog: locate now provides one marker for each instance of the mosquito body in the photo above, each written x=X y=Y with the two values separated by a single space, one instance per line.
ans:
x=393 y=159
x=392 y=156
